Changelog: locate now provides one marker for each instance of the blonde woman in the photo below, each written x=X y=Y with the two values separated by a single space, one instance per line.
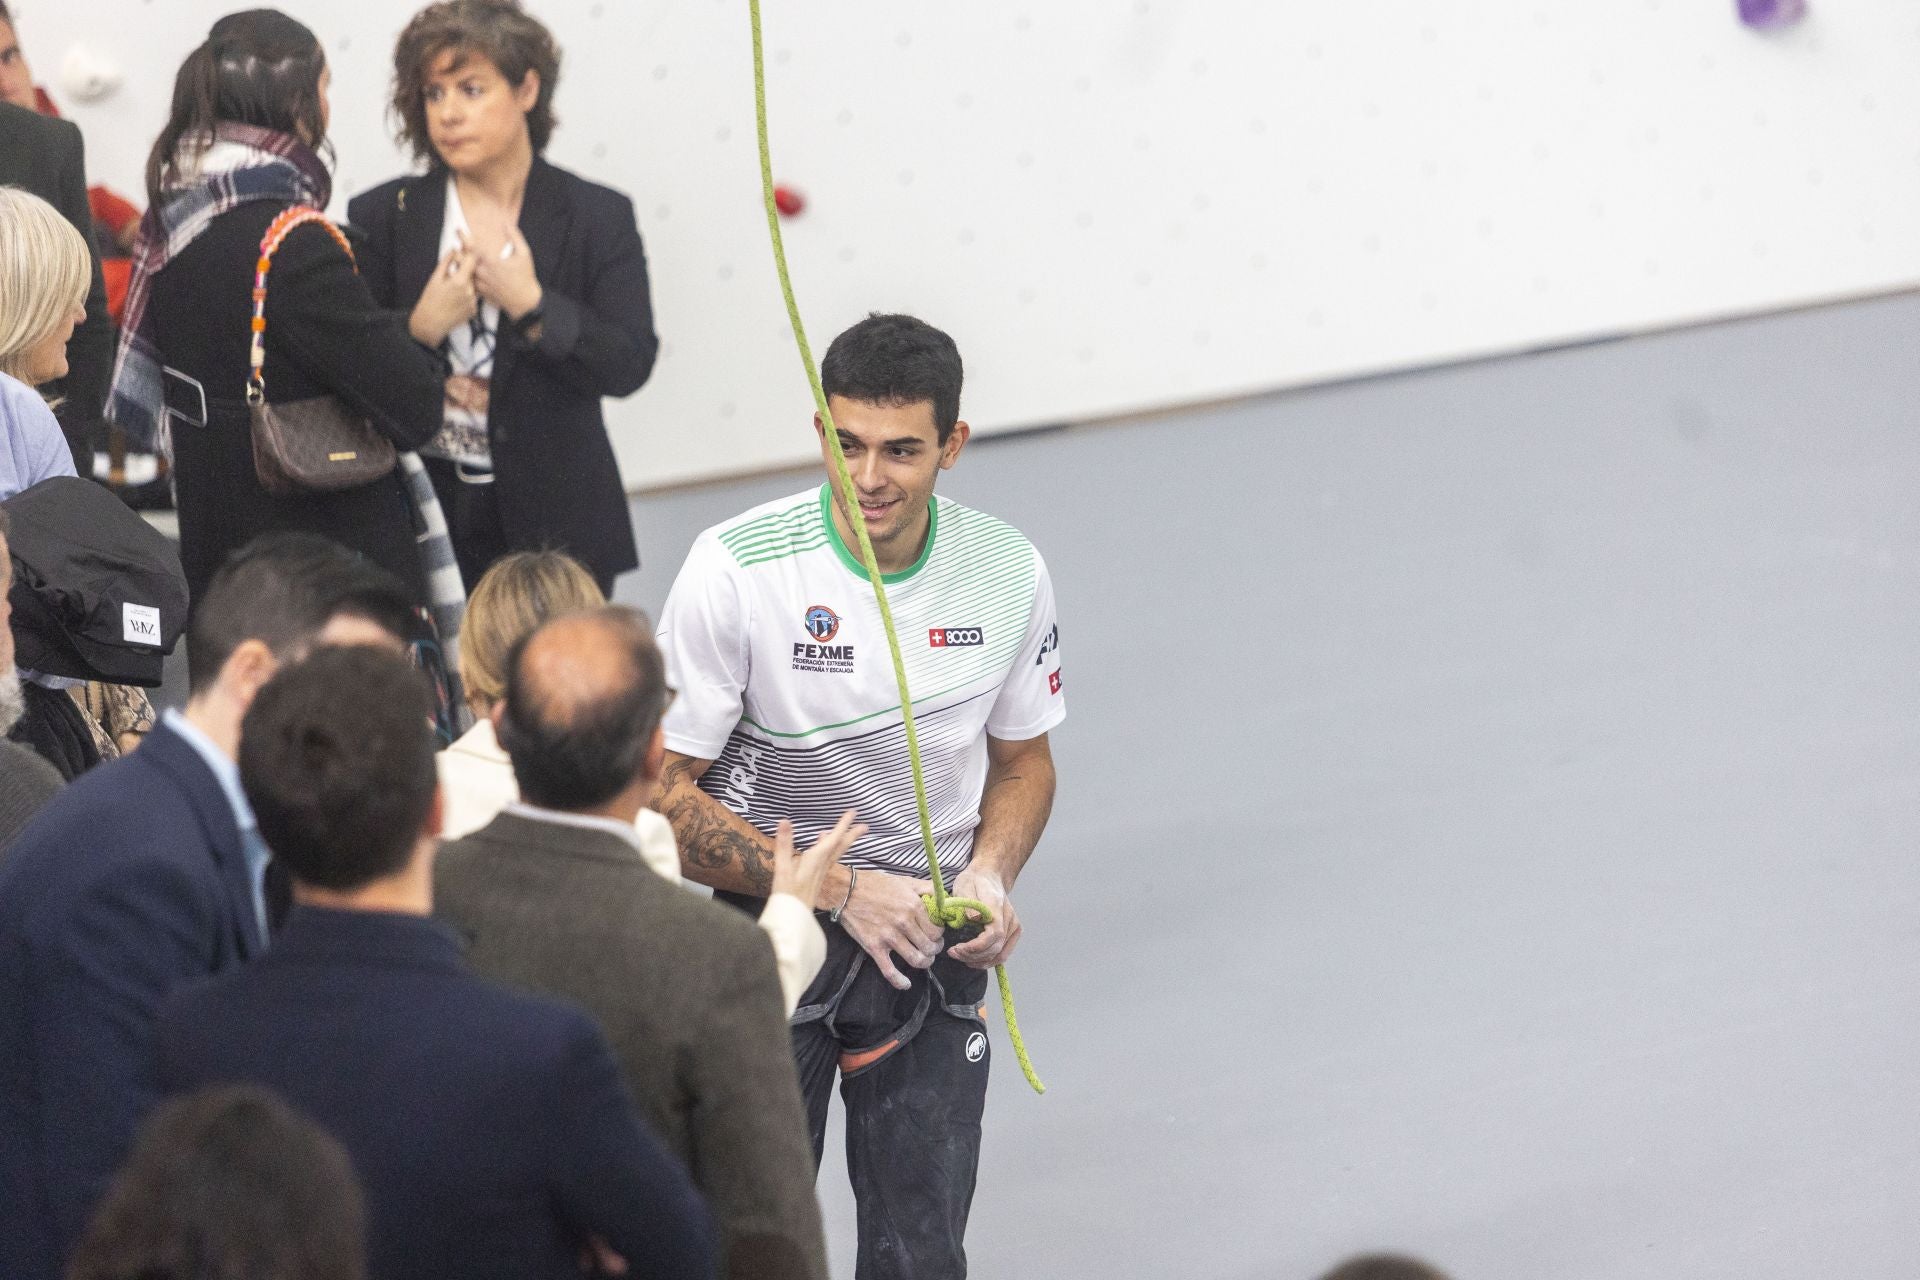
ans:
x=44 y=274
x=510 y=601
x=45 y=271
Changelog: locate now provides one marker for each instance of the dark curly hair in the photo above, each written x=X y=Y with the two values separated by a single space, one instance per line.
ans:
x=500 y=31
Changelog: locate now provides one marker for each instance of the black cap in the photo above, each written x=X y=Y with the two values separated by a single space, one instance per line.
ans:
x=98 y=593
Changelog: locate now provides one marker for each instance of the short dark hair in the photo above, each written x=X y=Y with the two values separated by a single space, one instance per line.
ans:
x=230 y=1181
x=256 y=67
x=281 y=589
x=579 y=746
x=1384 y=1266
x=500 y=31
x=336 y=756
x=896 y=360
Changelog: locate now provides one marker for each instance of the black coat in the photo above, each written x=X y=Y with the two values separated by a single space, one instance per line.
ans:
x=325 y=333
x=45 y=155
x=128 y=884
x=489 y=1128
x=555 y=479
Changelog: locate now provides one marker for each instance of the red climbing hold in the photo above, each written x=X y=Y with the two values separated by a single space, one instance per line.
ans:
x=788 y=201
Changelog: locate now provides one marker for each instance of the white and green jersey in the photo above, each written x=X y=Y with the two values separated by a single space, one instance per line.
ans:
x=774 y=641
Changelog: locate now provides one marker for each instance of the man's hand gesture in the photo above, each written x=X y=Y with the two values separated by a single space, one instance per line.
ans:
x=802 y=874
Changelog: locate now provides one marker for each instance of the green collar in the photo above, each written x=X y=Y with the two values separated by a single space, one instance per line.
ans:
x=853 y=562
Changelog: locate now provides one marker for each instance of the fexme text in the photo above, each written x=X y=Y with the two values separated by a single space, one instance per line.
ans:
x=836 y=658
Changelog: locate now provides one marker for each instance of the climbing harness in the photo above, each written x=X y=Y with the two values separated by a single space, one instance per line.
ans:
x=945 y=911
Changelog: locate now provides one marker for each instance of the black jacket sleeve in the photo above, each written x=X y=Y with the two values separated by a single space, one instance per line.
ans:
x=602 y=343
x=370 y=228
x=322 y=317
x=90 y=350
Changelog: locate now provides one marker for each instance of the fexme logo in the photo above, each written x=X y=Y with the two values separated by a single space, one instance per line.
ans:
x=822 y=623
x=955 y=637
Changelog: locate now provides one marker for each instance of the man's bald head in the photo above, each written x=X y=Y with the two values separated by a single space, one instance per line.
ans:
x=585 y=692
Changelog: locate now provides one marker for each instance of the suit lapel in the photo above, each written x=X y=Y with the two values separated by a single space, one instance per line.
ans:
x=176 y=758
x=420 y=210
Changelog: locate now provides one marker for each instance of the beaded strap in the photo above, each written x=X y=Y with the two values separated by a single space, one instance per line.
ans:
x=290 y=218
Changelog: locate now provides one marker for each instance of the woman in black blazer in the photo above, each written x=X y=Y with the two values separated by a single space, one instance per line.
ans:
x=249 y=114
x=531 y=281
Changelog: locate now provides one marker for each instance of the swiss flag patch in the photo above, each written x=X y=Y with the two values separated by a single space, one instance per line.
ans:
x=1053 y=682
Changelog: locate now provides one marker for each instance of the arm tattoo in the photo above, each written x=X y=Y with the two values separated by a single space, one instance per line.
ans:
x=709 y=838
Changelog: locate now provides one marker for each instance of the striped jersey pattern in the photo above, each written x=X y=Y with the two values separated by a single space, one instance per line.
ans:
x=774 y=642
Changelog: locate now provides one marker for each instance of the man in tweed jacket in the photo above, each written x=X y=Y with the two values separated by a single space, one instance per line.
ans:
x=553 y=896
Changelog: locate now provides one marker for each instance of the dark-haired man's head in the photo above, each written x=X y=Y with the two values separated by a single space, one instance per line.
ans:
x=273 y=601
x=893 y=387
x=336 y=756
x=1384 y=1266
x=230 y=1181
x=581 y=719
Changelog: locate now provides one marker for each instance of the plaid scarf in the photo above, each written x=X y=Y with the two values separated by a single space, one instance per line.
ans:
x=446 y=593
x=238 y=164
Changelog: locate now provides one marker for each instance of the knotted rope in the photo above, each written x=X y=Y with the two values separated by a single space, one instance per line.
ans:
x=946 y=911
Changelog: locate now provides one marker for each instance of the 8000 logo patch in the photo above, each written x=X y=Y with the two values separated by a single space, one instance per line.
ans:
x=955 y=637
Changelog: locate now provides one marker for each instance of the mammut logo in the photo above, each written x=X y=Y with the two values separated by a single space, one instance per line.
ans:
x=976 y=1047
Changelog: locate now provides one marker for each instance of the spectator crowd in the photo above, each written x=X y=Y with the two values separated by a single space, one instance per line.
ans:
x=374 y=957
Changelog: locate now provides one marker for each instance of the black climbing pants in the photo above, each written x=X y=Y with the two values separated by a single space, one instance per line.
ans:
x=913 y=1077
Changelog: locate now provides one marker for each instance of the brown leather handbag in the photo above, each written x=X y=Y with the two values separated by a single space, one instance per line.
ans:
x=318 y=445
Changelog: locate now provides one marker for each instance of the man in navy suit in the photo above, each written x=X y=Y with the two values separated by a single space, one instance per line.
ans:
x=490 y=1129
x=143 y=875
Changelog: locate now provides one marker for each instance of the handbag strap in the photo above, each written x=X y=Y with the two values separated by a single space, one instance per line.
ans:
x=291 y=217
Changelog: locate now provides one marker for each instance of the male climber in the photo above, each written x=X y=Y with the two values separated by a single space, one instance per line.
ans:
x=788 y=707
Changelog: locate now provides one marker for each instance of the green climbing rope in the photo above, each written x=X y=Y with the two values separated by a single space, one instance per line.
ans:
x=948 y=912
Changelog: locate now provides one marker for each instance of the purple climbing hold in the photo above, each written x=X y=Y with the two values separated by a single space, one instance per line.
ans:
x=1771 y=13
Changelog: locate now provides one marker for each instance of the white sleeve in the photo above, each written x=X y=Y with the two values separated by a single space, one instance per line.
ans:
x=799 y=945
x=703 y=637
x=1030 y=702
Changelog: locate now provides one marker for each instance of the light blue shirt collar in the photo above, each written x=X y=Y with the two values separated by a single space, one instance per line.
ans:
x=227 y=773
x=224 y=768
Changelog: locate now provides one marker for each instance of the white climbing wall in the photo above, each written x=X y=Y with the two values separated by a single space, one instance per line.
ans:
x=1117 y=205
